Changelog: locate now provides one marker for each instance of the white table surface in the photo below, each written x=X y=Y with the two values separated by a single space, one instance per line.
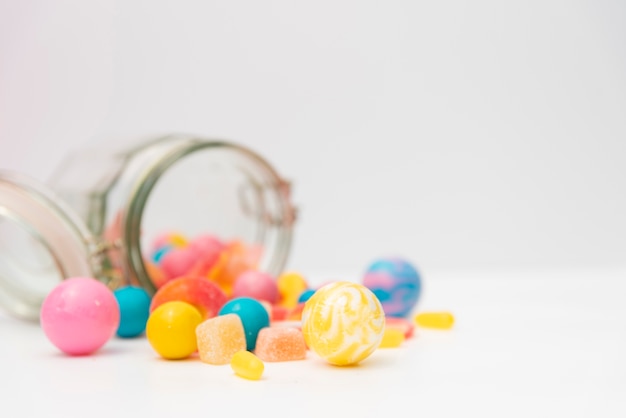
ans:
x=548 y=343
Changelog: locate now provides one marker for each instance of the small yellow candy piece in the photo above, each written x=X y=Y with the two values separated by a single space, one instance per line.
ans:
x=438 y=320
x=178 y=240
x=392 y=338
x=247 y=365
x=290 y=287
x=171 y=330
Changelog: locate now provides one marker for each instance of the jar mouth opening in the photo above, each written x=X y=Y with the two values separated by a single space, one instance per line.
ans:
x=25 y=281
x=42 y=242
x=257 y=200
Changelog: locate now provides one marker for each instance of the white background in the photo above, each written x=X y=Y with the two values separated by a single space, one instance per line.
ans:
x=463 y=135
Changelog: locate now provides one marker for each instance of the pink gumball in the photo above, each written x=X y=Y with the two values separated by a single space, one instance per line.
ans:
x=80 y=315
x=207 y=250
x=205 y=245
x=178 y=262
x=257 y=285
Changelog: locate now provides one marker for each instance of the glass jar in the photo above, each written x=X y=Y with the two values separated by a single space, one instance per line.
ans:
x=107 y=203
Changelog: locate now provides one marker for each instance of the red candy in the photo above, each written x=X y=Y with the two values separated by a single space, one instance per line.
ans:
x=279 y=313
x=206 y=296
x=295 y=314
x=401 y=324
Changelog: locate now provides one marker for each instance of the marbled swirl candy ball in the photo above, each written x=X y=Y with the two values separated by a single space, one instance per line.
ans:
x=396 y=283
x=343 y=323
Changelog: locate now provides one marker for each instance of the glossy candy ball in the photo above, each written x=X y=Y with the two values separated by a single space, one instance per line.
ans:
x=204 y=295
x=256 y=285
x=134 y=305
x=396 y=283
x=80 y=315
x=290 y=287
x=343 y=323
x=207 y=250
x=177 y=262
x=175 y=239
x=306 y=295
x=159 y=253
x=253 y=316
x=155 y=273
x=171 y=330
x=207 y=245
x=236 y=258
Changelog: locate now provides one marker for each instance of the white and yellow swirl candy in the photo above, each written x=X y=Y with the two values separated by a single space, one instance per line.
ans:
x=343 y=323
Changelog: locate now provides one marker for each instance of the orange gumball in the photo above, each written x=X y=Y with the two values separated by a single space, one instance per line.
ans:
x=155 y=273
x=235 y=259
x=296 y=313
x=204 y=295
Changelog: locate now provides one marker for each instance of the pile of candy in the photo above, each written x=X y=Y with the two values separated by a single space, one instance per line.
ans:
x=212 y=300
x=173 y=255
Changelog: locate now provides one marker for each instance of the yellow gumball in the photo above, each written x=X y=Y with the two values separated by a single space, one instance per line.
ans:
x=171 y=330
x=343 y=323
x=290 y=287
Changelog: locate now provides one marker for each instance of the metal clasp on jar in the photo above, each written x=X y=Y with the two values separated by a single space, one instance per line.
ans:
x=105 y=258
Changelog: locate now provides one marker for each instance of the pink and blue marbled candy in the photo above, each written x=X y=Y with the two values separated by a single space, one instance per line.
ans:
x=396 y=283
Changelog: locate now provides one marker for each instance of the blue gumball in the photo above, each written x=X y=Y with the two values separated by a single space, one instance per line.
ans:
x=396 y=283
x=253 y=316
x=134 y=305
x=306 y=295
x=160 y=253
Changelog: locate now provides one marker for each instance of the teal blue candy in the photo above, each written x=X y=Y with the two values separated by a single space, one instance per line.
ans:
x=253 y=316
x=306 y=295
x=134 y=305
x=160 y=253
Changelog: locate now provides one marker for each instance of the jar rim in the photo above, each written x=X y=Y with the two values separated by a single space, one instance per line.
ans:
x=35 y=210
x=145 y=183
x=40 y=193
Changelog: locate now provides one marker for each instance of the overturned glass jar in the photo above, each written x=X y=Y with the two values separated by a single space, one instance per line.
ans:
x=106 y=204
